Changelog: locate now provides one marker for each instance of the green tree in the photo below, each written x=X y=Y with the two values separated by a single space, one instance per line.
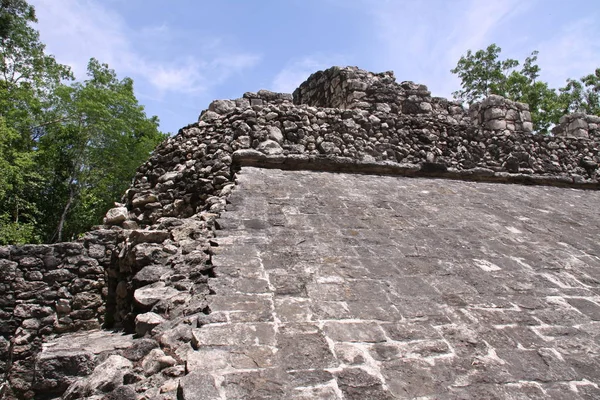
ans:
x=90 y=154
x=17 y=179
x=67 y=150
x=582 y=95
x=483 y=73
x=11 y=13
x=27 y=76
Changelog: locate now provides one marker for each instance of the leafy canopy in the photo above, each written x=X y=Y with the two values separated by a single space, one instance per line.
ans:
x=68 y=149
x=483 y=73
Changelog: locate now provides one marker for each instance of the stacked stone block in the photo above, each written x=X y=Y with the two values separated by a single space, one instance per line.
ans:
x=47 y=289
x=501 y=115
x=578 y=125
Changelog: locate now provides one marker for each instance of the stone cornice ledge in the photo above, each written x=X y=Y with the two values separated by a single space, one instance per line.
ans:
x=330 y=163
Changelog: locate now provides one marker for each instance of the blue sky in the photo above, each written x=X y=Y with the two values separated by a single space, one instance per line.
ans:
x=182 y=54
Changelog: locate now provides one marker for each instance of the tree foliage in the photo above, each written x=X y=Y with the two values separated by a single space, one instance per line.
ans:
x=68 y=149
x=101 y=136
x=483 y=73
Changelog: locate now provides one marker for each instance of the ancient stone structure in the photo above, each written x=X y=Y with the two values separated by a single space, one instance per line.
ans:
x=216 y=279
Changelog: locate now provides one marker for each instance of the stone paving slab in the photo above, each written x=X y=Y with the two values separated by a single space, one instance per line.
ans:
x=340 y=286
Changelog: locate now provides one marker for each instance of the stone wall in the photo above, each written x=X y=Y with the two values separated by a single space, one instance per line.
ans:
x=578 y=125
x=148 y=268
x=195 y=165
x=352 y=88
x=498 y=114
x=46 y=290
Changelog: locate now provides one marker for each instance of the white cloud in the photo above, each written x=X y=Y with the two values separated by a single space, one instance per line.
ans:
x=423 y=40
x=572 y=53
x=476 y=26
x=77 y=30
x=297 y=71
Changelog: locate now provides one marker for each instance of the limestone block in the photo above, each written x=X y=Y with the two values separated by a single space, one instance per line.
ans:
x=169 y=176
x=496 y=124
x=116 y=215
x=270 y=147
x=525 y=116
x=512 y=114
x=222 y=106
x=209 y=116
x=578 y=123
x=108 y=375
x=144 y=323
x=195 y=386
x=142 y=200
x=274 y=133
x=578 y=133
x=156 y=361
x=149 y=236
x=149 y=295
x=495 y=113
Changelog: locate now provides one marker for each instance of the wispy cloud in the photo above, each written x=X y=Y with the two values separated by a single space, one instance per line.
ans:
x=574 y=51
x=297 y=71
x=80 y=29
x=476 y=26
x=422 y=41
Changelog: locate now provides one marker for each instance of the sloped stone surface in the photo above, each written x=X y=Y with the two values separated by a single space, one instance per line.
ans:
x=384 y=287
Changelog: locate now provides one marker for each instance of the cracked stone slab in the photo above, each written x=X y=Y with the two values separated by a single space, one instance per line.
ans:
x=361 y=286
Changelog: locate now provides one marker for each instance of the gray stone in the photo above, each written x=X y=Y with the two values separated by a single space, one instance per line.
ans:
x=195 y=386
x=139 y=349
x=156 y=361
x=209 y=116
x=149 y=295
x=150 y=274
x=169 y=176
x=312 y=271
x=148 y=236
x=270 y=147
x=144 y=323
x=222 y=106
x=142 y=200
x=108 y=375
x=274 y=133
x=496 y=124
x=116 y=215
x=57 y=370
x=495 y=113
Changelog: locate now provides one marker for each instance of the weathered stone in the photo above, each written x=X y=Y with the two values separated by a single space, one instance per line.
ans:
x=222 y=106
x=350 y=266
x=57 y=370
x=150 y=274
x=270 y=147
x=156 y=361
x=142 y=200
x=144 y=323
x=274 y=133
x=108 y=375
x=146 y=236
x=195 y=386
x=496 y=124
x=116 y=215
x=149 y=295
x=139 y=349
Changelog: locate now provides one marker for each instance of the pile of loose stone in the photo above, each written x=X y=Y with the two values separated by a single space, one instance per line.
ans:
x=152 y=257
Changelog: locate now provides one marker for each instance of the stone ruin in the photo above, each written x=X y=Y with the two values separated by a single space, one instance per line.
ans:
x=197 y=285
